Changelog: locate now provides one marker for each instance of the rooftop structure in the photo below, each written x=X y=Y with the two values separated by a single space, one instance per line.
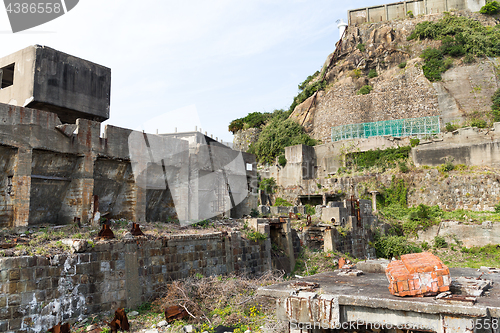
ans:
x=45 y=79
x=399 y=10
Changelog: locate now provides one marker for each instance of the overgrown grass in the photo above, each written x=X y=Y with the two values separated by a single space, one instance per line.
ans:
x=221 y=300
x=312 y=262
x=387 y=158
x=475 y=257
x=459 y=36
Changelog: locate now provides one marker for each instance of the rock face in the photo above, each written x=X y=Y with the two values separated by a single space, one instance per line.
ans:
x=418 y=274
x=398 y=91
x=244 y=138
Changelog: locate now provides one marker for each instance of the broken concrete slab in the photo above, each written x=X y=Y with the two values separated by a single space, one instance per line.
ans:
x=67 y=129
x=365 y=299
x=469 y=286
x=373 y=266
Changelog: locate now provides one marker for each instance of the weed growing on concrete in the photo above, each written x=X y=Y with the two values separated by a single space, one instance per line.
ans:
x=282 y=202
x=440 y=242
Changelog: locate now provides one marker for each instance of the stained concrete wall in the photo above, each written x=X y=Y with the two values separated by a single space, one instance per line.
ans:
x=38 y=292
x=49 y=80
x=398 y=10
x=470 y=146
x=469 y=234
x=55 y=170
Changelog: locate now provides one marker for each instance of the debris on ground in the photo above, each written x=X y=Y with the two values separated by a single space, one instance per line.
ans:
x=469 y=286
x=64 y=328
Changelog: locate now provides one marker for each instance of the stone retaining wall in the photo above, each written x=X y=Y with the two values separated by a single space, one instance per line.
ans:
x=37 y=292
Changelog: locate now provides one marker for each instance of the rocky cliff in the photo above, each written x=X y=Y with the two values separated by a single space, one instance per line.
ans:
x=400 y=90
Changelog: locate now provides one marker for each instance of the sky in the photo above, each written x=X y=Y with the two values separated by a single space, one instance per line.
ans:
x=181 y=64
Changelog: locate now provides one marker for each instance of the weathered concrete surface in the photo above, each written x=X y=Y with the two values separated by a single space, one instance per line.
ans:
x=52 y=177
x=469 y=146
x=366 y=299
x=54 y=81
x=394 y=11
x=469 y=234
x=37 y=292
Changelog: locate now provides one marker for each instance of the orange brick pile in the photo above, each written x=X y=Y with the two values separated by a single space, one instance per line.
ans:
x=418 y=274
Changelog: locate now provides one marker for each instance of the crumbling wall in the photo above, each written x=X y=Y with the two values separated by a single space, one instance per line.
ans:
x=38 y=292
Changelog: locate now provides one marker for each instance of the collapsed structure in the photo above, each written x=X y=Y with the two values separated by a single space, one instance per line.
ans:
x=56 y=166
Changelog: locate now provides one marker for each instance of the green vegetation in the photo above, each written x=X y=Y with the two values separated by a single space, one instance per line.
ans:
x=255 y=236
x=402 y=65
x=282 y=202
x=282 y=160
x=387 y=158
x=495 y=108
x=276 y=135
x=373 y=73
x=312 y=261
x=414 y=142
x=361 y=47
x=491 y=8
x=459 y=36
x=440 y=242
x=304 y=84
x=410 y=14
x=479 y=123
x=435 y=64
x=268 y=185
x=310 y=210
x=356 y=73
x=451 y=127
x=394 y=246
x=252 y=120
x=307 y=92
x=446 y=167
x=364 y=90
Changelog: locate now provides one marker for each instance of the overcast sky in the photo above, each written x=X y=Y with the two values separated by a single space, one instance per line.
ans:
x=197 y=62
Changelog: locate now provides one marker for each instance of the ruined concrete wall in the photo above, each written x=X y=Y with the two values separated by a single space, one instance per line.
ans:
x=38 y=292
x=398 y=10
x=469 y=234
x=470 y=146
x=52 y=171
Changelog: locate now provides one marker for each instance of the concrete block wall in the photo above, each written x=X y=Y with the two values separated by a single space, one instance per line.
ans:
x=38 y=292
x=398 y=10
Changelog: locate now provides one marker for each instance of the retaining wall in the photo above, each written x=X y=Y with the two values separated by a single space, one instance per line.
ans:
x=37 y=292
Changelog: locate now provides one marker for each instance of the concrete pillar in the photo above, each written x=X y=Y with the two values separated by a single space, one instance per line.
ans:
x=21 y=183
x=324 y=199
x=287 y=228
x=374 y=201
x=367 y=15
x=328 y=244
x=386 y=12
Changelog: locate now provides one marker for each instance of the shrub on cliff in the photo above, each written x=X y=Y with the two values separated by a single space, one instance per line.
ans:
x=491 y=8
x=495 y=108
x=364 y=90
x=459 y=36
x=275 y=136
x=255 y=120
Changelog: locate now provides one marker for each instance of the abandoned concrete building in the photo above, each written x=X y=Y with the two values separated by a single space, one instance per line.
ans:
x=56 y=165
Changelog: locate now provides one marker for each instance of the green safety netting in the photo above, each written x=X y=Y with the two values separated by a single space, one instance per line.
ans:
x=396 y=128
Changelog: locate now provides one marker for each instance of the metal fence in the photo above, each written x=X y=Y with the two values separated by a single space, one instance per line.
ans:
x=396 y=128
